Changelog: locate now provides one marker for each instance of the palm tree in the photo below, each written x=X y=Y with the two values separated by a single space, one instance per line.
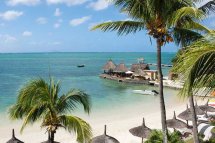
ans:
x=199 y=70
x=39 y=100
x=162 y=19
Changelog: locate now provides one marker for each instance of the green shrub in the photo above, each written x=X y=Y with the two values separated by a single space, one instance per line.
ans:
x=157 y=137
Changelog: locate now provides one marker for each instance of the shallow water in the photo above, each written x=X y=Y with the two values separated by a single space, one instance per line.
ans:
x=16 y=69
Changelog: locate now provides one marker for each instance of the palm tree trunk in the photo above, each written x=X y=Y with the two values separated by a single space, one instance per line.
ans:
x=52 y=136
x=194 y=120
x=162 y=102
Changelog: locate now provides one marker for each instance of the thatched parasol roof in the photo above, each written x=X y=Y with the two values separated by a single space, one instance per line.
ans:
x=207 y=108
x=198 y=110
x=14 y=139
x=142 y=66
x=187 y=115
x=121 y=68
x=175 y=123
x=109 y=65
x=104 y=138
x=141 y=131
x=140 y=72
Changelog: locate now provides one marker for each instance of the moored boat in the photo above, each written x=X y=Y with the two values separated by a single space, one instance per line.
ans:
x=146 y=92
x=80 y=66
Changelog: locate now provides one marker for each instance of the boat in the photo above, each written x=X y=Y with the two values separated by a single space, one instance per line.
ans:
x=80 y=66
x=146 y=92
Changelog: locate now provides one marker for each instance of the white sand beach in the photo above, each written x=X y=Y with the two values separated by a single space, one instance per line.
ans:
x=118 y=122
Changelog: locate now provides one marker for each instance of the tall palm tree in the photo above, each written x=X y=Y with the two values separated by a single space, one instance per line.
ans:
x=197 y=65
x=161 y=18
x=39 y=100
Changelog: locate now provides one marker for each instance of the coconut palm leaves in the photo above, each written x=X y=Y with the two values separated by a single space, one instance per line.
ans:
x=197 y=64
x=122 y=27
x=39 y=100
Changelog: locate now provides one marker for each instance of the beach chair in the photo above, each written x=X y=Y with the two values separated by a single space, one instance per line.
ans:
x=205 y=129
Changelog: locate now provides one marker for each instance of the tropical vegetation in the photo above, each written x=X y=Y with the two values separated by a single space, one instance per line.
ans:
x=39 y=100
x=165 y=21
x=199 y=70
x=157 y=137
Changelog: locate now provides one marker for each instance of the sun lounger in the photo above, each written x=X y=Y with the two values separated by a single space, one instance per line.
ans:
x=205 y=129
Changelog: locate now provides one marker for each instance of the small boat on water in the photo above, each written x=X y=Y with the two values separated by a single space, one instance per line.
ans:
x=146 y=92
x=80 y=66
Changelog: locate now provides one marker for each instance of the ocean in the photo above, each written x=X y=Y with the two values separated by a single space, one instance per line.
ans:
x=17 y=69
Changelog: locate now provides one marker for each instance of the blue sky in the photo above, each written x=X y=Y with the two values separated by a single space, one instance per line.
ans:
x=64 y=26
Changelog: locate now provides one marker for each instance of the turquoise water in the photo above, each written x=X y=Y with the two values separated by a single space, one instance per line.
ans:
x=16 y=69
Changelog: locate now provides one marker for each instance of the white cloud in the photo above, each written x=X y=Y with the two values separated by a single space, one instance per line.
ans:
x=57 y=25
x=10 y=15
x=78 y=21
x=41 y=20
x=57 y=12
x=27 y=33
x=99 y=4
x=7 y=38
x=67 y=2
x=22 y=2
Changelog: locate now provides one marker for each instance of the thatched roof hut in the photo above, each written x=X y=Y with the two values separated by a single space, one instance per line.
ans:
x=109 y=66
x=142 y=66
x=121 y=68
x=140 y=72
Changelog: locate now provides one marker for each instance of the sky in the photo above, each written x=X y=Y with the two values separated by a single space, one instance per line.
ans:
x=64 y=26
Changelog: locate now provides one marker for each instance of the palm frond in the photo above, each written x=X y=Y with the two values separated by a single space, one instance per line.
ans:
x=197 y=65
x=135 y=8
x=68 y=102
x=122 y=27
x=32 y=91
x=184 y=37
x=75 y=124
x=190 y=12
x=35 y=113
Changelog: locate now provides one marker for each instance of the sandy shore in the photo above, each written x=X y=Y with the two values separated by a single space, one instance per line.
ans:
x=118 y=122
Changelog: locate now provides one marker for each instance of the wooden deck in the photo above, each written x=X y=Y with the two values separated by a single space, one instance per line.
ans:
x=125 y=80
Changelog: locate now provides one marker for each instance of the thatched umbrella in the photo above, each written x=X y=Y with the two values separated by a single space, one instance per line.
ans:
x=207 y=108
x=141 y=131
x=187 y=115
x=109 y=66
x=104 y=138
x=175 y=123
x=121 y=68
x=198 y=110
x=139 y=72
x=14 y=139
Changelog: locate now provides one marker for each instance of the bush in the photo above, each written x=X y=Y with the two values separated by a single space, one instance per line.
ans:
x=157 y=137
